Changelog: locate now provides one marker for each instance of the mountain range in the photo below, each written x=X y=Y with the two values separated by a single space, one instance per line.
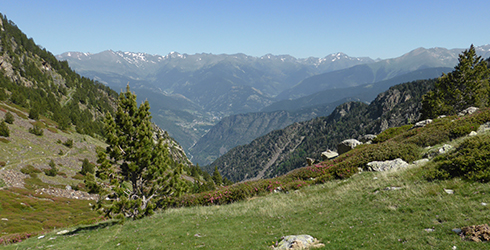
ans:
x=189 y=94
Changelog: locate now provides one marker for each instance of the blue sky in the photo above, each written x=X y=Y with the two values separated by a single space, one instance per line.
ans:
x=378 y=29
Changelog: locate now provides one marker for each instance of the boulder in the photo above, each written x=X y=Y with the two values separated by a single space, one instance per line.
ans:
x=422 y=123
x=367 y=138
x=484 y=127
x=379 y=166
x=298 y=242
x=347 y=145
x=438 y=151
x=329 y=154
x=468 y=111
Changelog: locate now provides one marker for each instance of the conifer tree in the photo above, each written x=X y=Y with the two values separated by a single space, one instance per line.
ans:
x=133 y=171
x=4 y=129
x=218 y=180
x=466 y=86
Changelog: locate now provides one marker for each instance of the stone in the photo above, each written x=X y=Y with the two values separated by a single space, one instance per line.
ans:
x=449 y=191
x=329 y=154
x=298 y=242
x=438 y=151
x=484 y=127
x=421 y=161
x=468 y=111
x=366 y=138
x=379 y=166
x=347 y=145
x=473 y=133
x=422 y=123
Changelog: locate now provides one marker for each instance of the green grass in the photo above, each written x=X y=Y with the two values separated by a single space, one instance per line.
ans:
x=25 y=212
x=351 y=214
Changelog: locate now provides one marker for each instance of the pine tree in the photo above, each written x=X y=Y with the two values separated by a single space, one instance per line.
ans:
x=133 y=171
x=4 y=129
x=218 y=180
x=466 y=86
x=9 y=118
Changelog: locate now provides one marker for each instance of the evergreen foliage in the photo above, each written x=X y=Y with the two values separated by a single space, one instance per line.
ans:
x=9 y=118
x=48 y=87
x=133 y=171
x=87 y=167
x=36 y=130
x=53 y=171
x=466 y=86
x=218 y=180
x=4 y=129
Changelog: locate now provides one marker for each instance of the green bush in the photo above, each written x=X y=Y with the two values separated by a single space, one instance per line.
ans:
x=68 y=143
x=29 y=169
x=9 y=118
x=4 y=129
x=36 y=130
x=87 y=167
x=471 y=161
x=53 y=171
x=390 y=133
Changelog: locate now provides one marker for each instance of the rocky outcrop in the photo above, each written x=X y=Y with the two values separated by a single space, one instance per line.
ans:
x=468 y=111
x=421 y=124
x=379 y=166
x=347 y=145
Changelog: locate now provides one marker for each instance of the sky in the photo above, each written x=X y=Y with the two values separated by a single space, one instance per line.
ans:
x=376 y=29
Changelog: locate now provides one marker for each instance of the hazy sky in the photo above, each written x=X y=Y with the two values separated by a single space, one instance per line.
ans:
x=378 y=29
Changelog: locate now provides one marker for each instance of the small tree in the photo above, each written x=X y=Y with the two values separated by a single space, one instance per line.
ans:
x=218 y=180
x=9 y=118
x=133 y=171
x=4 y=129
x=87 y=167
x=466 y=86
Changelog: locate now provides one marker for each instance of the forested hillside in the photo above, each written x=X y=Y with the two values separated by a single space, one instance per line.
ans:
x=284 y=150
x=34 y=79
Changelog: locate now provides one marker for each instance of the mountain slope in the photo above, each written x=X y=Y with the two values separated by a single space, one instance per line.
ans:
x=286 y=149
x=366 y=92
x=417 y=59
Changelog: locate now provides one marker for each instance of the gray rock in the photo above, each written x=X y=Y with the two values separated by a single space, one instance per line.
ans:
x=422 y=123
x=484 y=127
x=329 y=154
x=438 y=151
x=468 y=111
x=472 y=133
x=380 y=166
x=367 y=138
x=347 y=145
x=298 y=242
x=421 y=161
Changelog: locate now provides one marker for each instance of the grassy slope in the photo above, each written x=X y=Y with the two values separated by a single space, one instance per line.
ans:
x=351 y=214
x=360 y=212
x=25 y=211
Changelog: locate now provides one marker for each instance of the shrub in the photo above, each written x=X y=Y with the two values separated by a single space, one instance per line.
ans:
x=390 y=133
x=469 y=161
x=9 y=118
x=53 y=171
x=29 y=169
x=87 y=167
x=68 y=143
x=4 y=129
x=36 y=130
